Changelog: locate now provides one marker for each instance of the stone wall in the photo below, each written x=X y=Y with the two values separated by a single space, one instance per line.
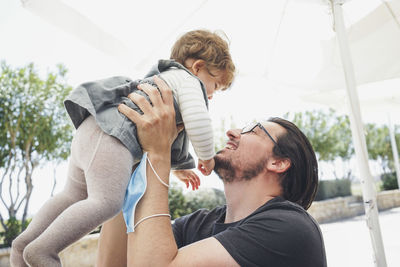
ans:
x=5 y=257
x=336 y=208
x=344 y=207
x=388 y=199
x=83 y=253
x=80 y=254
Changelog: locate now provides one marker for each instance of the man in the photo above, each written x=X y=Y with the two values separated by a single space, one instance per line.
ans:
x=270 y=177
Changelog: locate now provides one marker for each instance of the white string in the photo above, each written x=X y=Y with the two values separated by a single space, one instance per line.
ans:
x=158 y=177
x=151 y=216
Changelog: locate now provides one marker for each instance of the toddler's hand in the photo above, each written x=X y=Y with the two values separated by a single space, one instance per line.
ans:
x=188 y=176
x=206 y=166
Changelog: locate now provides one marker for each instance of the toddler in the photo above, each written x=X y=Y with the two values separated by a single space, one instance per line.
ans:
x=105 y=147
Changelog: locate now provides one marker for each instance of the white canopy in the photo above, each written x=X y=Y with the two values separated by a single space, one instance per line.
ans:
x=374 y=42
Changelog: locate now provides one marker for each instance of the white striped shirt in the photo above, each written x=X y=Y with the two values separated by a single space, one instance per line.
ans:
x=196 y=119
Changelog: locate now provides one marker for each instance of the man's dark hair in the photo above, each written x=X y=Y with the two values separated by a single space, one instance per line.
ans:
x=300 y=181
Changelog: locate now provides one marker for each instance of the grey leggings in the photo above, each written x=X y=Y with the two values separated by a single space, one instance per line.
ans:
x=99 y=171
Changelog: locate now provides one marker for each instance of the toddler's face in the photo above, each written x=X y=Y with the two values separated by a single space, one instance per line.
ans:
x=211 y=80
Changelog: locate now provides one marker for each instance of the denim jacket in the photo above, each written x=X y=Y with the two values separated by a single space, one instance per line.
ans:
x=101 y=99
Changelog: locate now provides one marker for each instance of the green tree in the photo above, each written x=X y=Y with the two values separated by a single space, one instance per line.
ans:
x=207 y=198
x=177 y=202
x=329 y=134
x=379 y=146
x=389 y=181
x=34 y=129
x=182 y=204
x=331 y=138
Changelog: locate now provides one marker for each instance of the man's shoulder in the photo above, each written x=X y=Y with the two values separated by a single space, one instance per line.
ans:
x=283 y=210
x=196 y=226
x=279 y=203
x=275 y=233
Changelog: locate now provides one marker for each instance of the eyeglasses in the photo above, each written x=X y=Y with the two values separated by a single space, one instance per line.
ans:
x=250 y=128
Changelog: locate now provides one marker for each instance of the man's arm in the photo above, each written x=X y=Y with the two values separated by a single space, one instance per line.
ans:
x=152 y=243
x=112 y=246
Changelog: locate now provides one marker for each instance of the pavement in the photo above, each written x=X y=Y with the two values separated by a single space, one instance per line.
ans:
x=348 y=242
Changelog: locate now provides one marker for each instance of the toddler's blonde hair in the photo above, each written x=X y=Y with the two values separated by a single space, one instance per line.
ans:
x=208 y=46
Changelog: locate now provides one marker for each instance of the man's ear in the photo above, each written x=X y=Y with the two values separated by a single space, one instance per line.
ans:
x=197 y=65
x=279 y=165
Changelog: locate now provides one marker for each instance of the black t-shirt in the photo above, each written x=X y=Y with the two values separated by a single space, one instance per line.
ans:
x=279 y=233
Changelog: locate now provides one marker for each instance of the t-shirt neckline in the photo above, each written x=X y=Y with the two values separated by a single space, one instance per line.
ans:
x=220 y=226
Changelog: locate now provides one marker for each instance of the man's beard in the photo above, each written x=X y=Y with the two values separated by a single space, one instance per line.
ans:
x=229 y=173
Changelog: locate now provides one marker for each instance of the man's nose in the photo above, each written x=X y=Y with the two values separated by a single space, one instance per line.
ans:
x=233 y=134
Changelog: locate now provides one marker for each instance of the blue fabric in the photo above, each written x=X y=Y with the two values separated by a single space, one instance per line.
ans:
x=134 y=192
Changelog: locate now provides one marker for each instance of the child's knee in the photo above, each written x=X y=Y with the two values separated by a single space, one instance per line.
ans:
x=17 y=247
x=31 y=256
x=18 y=244
x=36 y=255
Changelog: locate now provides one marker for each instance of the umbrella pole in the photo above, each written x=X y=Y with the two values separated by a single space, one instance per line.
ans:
x=357 y=129
x=394 y=150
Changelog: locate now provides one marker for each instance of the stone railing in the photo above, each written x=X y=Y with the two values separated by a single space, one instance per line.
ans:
x=388 y=199
x=83 y=253
x=80 y=254
x=345 y=207
x=336 y=208
x=5 y=257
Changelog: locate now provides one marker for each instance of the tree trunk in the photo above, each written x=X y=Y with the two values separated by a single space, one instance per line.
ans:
x=29 y=188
